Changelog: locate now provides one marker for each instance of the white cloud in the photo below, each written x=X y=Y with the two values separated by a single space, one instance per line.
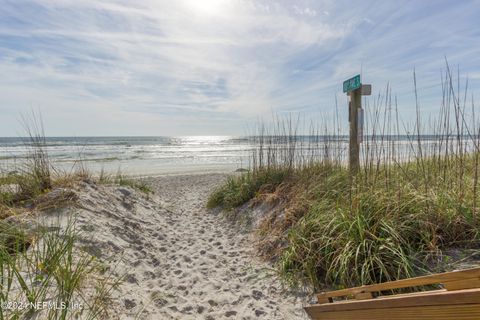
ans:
x=305 y=11
x=171 y=61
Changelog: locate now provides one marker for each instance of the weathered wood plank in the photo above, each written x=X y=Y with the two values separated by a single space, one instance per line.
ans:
x=442 y=278
x=363 y=296
x=444 y=312
x=432 y=298
x=462 y=284
x=322 y=298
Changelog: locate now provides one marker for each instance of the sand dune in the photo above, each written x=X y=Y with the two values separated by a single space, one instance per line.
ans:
x=179 y=261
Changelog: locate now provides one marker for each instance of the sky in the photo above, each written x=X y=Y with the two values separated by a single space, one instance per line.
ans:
x=213 y=67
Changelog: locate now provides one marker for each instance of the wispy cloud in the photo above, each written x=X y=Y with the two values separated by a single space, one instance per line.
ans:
x=207 y=67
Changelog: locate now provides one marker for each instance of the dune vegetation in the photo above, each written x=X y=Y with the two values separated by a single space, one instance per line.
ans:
x=413 y=202
x=43 y=269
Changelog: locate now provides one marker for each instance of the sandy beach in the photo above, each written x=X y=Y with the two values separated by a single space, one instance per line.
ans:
x=177 y=259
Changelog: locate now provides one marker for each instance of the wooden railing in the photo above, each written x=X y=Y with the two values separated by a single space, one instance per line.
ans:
x=459 y=299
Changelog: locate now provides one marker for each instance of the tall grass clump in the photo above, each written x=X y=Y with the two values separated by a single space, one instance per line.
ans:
x=51 y=279
x=238 y=190
x=414 y=197
x=36 y=174
x=123 y=180
x=44 y=274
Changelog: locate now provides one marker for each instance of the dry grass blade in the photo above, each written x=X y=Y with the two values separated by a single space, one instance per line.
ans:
x=415 y=196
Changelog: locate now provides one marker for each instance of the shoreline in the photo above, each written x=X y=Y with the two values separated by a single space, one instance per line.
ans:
x=138 y=171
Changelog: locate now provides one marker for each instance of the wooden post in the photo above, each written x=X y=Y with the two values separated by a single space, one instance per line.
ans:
x=355 y=90
x=354 y=147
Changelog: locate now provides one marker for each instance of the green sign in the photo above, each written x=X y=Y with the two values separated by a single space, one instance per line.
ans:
x=352 y=84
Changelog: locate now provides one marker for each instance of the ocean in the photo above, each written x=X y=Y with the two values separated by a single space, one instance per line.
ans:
x=135 y=155
x=188 y=154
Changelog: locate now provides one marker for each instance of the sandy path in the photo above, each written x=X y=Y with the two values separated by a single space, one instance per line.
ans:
x=177 y=260
x=207 y=266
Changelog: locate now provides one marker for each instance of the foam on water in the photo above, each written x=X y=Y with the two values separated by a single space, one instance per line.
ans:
x=152 y=155
x=139 y=155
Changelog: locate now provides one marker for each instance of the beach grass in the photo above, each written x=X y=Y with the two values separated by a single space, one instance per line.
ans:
x=239 y=190
x=412 y=199
x=45 y=266
x=42 y=263
x=124 y=180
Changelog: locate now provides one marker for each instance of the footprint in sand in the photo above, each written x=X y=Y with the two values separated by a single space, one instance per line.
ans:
x=195 y=262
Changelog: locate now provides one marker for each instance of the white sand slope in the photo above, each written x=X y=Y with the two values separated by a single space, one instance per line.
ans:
x=179 y=260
